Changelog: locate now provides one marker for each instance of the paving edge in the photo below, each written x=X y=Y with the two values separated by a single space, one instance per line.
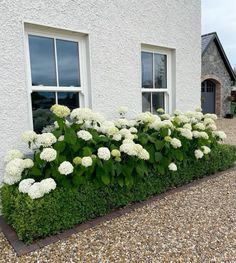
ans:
x=21 y=248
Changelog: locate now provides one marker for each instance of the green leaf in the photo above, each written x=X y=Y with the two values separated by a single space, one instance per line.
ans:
x=59 y=146
x=35 y=171
x=105 y=179
x=121 y=181
x=161 y=169
x=179 y=155
x=70 y=135
x=87 y=151
x=129 y=181
x=158 y=156
x=143 y=138
x=159 y=145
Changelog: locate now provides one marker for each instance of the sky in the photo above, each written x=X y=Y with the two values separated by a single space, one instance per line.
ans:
x=220 y=16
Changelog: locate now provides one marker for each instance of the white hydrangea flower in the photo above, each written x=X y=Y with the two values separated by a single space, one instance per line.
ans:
x=61 y=138
x=112 y=130
x=208 y=121
x=28 y=163
x=186 y=133
x=13 y=171
x=176 y=143
x=178 y=112
x=196 y=134
x=165 y=116
x=104 y=153
x=85 y=114
x=199 y=126
x=84 y=135
x=203 y=135
x=181 y=119
x=172 y=167
x=117 y=137
x=145 y=117
x=48 y=154
x=143 y=154
x=187 y=126
x=211 y=116
x=206 y=149
x=46 y=139
x=160 y=110
x=65 y=168
x=115 y=153
x=13 y=154
x=47 y=185
x=86 y=161
x=35 y=191
x=133 y=130
x=60 y=111
x=198 y=154
x=220 y=134
x=199 y=109
x=212 y=127
x=120 y=123
x=25 y=185
x=123 y=110
x=29 y=136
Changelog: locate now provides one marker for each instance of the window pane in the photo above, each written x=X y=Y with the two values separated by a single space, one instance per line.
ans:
x=146 y=101
x=147 y=70
x=41 y=104
x=160 y=71
x=68 y=63
x=69 y=99
x=158 y=101
x=42 y=61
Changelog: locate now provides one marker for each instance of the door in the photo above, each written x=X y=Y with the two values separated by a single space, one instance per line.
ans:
x=208 y=96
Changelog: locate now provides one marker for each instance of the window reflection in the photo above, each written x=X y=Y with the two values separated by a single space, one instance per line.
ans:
x=69 y=99
x=158 y=101
x=147 y=70
x=160 y=71
x=41 y=104
x=146 y=101
x=42 y=61
x=68 y=63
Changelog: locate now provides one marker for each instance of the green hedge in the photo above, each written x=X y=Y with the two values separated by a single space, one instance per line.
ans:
x=63 y=208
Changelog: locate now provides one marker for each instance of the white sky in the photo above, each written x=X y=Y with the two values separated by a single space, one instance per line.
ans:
x=220 y=16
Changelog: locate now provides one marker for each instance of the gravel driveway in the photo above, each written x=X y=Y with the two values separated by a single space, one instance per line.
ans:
x=195 y=225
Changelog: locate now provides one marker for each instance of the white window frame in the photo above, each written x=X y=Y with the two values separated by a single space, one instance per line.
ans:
x=168 y=90
x=49 y=32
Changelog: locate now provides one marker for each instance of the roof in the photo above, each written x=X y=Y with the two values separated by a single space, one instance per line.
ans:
x=207 y=39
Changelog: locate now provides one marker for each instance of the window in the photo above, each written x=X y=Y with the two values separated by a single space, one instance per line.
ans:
x=156 y=87
x=56 y=63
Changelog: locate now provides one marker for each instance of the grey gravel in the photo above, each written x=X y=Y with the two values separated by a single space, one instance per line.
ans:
x=197 y=224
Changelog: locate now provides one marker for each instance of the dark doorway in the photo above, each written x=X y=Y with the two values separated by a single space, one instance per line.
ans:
x=208 y=96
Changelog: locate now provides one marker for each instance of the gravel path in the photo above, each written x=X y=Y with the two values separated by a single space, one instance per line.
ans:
x=229 y=127
x=195 y=225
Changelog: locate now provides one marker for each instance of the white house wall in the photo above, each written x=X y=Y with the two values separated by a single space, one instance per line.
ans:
x=116 y=30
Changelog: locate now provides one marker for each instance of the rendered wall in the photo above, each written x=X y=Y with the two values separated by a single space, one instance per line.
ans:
x=116 y=30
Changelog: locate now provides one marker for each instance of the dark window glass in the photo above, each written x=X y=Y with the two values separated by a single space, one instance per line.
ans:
x=42 y=61
x=69 y=99
x=158 y=101
x=147 y=70
x=68 y=63
x=160 y=71
x=146 y=101
x=41 y=104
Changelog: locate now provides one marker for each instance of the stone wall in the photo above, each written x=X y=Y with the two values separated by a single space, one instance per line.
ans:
x=213 y=67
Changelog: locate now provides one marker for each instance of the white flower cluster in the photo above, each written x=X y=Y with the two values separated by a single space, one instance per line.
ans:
x=29 y=136
x=60 y=110
x=46 y=139
x=134 y=149
x=38 y=189
x=65 y=168
x=104 y=153
x=48 y=154
x=15 y=166
x=80 y=115
x=13 y=154
x=176 y=143
x=84 y=135
x=172 y=167
x=86 y=161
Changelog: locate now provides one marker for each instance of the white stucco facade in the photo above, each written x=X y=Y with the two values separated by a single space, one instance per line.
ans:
x=115 y=31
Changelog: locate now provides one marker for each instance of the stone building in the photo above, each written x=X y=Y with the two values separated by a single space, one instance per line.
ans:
x=217 y=76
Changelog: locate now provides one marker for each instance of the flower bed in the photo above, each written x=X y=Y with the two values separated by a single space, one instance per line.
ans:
x=84 y=166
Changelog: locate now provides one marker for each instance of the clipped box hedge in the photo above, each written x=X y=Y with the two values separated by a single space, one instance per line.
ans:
x=63 y=208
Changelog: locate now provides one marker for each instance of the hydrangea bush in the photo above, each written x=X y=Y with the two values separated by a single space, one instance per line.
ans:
x=82 y=146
